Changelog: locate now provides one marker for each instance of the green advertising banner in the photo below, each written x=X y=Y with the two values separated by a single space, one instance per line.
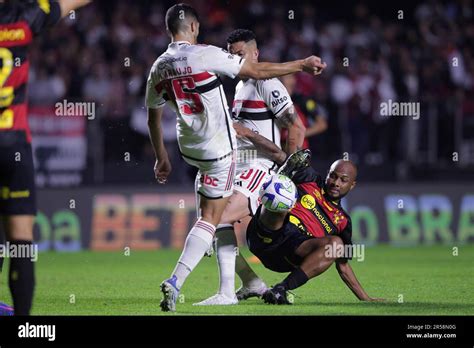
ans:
x=150 y=218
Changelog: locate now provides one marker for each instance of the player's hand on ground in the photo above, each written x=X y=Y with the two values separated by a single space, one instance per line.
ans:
x=162 y=170
x=313 y=65
x=242 y=131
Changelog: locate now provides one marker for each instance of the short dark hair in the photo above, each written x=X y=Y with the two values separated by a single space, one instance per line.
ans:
x=244 y=35
x=176 y=14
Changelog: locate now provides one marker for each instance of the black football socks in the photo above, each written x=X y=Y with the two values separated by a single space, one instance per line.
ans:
x=294 y=280
x=22 y=281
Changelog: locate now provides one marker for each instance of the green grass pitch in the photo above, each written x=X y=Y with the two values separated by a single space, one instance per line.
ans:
x=431 y=280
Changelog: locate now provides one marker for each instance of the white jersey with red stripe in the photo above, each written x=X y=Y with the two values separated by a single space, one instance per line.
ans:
x=187 y=78
x=257 y=105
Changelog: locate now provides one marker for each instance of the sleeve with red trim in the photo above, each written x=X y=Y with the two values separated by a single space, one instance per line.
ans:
x=153 y=98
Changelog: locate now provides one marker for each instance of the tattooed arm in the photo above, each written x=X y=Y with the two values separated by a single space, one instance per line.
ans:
x=296 y=130
x=262 y=144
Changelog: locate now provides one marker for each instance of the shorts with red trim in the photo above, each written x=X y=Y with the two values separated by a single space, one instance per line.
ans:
x=249 y=183
x=216 y=176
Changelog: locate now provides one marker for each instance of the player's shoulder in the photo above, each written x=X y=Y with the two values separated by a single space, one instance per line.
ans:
x=206 y=49
x=272 y=85
x=268 y=82
x=163 y=58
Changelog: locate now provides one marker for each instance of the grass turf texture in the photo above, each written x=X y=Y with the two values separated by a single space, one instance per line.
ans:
x=431 y=280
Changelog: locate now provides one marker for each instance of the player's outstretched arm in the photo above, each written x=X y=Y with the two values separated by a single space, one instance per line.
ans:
x=296 y=129
x=163 y=164
x=70 y=5
x=348 y=276
x=262 y=144
x=261 y=71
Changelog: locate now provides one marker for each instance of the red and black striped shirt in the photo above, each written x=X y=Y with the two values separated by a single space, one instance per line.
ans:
x=19 y=24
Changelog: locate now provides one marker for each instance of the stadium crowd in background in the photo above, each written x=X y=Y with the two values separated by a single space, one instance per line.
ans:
x=422 y=54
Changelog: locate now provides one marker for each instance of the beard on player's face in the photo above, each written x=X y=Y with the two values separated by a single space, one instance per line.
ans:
x=337 y=189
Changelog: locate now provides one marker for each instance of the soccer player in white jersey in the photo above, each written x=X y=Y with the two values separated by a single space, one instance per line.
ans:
x=264 y=106
x=186 y=77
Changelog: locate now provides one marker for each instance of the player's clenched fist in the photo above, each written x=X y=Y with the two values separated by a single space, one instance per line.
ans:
x=162 y=170
x=313 y=65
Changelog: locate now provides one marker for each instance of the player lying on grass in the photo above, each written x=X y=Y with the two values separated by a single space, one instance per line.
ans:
x=307 y=240
x=265 y=107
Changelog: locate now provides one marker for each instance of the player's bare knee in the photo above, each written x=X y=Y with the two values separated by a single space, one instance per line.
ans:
x=19 y=228
x=336 y=240
x=20 y=234
x=333 y=246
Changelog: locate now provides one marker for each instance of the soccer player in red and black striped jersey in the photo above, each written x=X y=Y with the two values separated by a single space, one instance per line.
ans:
x=309 y=238
x=20 y=23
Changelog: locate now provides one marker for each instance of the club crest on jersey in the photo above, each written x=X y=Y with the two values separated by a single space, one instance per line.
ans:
x=338 y=217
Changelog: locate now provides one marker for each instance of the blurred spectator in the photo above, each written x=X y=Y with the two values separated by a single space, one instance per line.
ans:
x=311 y=113
x=373 y=55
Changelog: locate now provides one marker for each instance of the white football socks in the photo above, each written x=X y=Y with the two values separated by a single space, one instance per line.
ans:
x=197 y=243
x=249 y=278
x=226 y=244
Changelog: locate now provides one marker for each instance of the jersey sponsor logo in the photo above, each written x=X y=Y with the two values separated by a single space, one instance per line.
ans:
x=308 y=202
x=322 y=220
x=12 y=34
x=277 y=100
x=15 y=34
x=276 y=94
x=297 y=222
x=166 y=69
x=209 y=181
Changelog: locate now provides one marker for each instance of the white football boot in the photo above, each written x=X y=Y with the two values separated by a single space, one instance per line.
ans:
x=218 y=300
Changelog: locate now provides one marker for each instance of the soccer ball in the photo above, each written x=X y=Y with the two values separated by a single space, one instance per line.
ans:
x=278 y=193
